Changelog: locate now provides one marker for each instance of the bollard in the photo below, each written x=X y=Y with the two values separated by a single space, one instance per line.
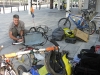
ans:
x=3 y=10
x=24 y=7
x=18 y=8
x=11 y=9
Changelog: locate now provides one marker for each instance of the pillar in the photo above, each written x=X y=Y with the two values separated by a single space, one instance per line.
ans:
x=80 y=4
x=37 y=4
x=51 y=4
x=68 y=4
x=58 y=4
x=29 y=6
x=86 y=2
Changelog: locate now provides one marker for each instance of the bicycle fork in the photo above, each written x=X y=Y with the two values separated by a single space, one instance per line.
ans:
x=66 y=21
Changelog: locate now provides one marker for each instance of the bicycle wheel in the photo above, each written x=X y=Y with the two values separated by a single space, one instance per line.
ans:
x=64 y=22
x=11 y=72
x=21 y=69
x=25 y=59
x=32 y=29
x=40 y=29
x=91 y=28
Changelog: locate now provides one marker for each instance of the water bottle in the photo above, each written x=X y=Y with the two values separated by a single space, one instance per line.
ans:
x=78 y=22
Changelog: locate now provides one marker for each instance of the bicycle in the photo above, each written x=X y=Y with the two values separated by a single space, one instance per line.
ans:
x=32 y=51
x=6 y=66
x=41 y=28
x=31 y=40
x=80 y=22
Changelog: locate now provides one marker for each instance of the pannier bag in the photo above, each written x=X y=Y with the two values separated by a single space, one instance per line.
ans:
x=70 y=40
x=57 y=63
x=34 y=37
x=58 y=34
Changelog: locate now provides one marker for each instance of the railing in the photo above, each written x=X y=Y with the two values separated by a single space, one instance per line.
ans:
x=11 y=8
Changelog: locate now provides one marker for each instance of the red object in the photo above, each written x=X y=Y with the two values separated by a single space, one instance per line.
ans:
x=97 y=47
x=7 y=60
x=29 y=48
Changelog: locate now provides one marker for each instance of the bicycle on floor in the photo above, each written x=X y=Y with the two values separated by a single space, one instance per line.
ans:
x=21 y=68
x=6 y=66
x=52 y=56
x=41 y=28
x=81 y=23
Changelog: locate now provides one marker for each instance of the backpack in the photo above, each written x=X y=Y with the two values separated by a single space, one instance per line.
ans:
x=88 y=65
x=58 y=34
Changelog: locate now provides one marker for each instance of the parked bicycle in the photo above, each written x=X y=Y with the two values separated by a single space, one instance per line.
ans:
x=80 y=22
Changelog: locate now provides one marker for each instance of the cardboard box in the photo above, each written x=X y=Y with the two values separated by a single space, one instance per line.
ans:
x=80 y=34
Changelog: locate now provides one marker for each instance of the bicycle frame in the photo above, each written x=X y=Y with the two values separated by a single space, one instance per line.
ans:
x=81 y=20
x=8 y=67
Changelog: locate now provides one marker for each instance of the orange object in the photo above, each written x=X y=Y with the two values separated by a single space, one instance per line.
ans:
x=7 y=60
x=32 y=10
x=11 y=55
x=52 y=48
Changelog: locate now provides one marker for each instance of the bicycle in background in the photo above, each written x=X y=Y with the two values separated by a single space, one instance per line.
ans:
x=80 y=22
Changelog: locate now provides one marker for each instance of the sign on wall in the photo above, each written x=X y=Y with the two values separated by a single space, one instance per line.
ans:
x=92 y=4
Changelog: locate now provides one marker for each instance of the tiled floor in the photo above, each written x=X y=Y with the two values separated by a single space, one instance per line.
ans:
x=45 y=16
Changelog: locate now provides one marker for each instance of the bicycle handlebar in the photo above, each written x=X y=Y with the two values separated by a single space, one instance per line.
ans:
x=54 y=42
x=11 y=55
x=69 y=11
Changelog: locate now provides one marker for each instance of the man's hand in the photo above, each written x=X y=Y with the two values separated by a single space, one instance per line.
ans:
x=20 y=40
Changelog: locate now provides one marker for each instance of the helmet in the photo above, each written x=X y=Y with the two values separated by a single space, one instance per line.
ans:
x=68 y=32
x=54 y=63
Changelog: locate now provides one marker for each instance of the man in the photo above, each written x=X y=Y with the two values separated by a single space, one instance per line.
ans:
x=16 y=29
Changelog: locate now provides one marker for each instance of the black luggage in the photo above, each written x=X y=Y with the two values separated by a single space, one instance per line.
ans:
x=58 y=34
x=70 y=40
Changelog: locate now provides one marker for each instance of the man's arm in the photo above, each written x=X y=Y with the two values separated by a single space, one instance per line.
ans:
x=12 y=37
x=22 y=33
x=22 y=29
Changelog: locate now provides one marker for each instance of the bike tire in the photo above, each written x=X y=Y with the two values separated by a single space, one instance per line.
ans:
x=21 y=68
x=99 y=34
x=40 y=29
x=64 y=22
x=11 y=72
x=22 y=59
x=91 y=28
x=32 y=29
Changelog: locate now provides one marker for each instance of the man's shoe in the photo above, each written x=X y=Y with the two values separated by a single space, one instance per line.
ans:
x=14 y=41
